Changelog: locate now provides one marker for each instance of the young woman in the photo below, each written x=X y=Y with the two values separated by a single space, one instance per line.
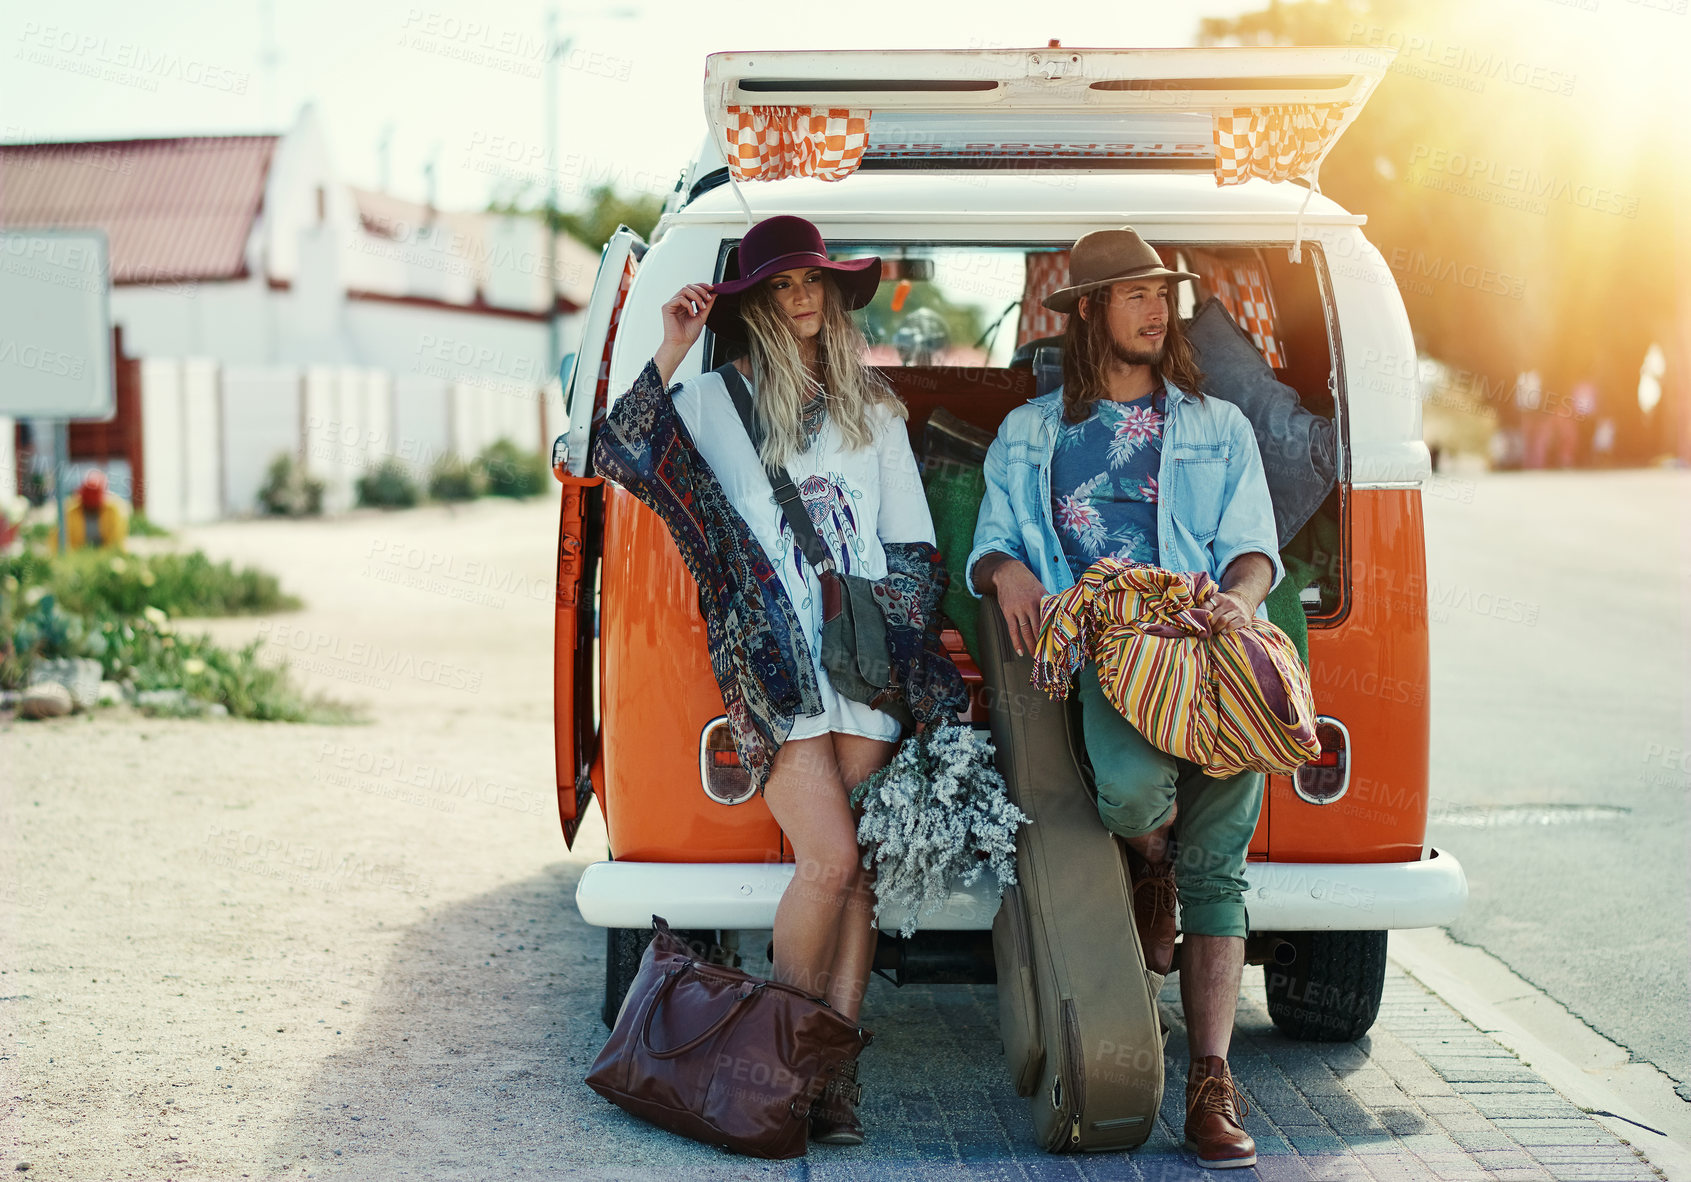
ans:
x=839 y=432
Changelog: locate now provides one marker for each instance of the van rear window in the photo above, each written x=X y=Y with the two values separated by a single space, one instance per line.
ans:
x=962 y=327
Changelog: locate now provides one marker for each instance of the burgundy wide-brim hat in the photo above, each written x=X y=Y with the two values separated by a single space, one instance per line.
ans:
x=779 y=244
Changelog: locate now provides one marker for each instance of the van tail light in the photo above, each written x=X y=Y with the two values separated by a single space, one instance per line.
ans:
x=1326 y=778
x=720 y=773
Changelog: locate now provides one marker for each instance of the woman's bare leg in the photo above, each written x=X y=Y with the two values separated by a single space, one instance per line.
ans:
x=857 y=757
x=808 y=800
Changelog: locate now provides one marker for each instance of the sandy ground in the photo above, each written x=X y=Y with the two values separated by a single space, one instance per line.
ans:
x=223 y=939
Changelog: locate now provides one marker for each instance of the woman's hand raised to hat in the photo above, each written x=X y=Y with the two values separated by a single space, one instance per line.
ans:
x=683 y=321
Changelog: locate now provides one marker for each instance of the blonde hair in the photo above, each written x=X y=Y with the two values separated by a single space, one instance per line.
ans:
x=783 y=387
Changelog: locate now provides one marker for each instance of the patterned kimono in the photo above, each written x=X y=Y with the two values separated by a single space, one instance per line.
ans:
x=758 y=652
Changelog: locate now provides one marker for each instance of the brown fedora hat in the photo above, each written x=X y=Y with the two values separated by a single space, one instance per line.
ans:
x=1108 y=256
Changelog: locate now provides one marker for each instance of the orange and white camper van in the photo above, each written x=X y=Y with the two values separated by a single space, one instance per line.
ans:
x=970 y=173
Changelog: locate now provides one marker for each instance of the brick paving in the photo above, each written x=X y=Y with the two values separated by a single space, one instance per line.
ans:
x=1424 y=1097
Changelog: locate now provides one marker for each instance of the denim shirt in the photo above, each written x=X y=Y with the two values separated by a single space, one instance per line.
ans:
x=1212 y=506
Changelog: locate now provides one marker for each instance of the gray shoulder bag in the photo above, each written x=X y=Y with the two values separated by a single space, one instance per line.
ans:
x=854 y=626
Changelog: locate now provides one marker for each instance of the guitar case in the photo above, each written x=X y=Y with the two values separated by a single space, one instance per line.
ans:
x=1077 y=1007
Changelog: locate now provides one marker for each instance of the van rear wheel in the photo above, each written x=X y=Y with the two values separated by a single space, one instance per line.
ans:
x=625 y=946
x=1330 y=991
x=623 y=949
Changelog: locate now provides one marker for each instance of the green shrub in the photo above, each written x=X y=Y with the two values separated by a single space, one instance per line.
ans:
x=35 y=627
x=141 y=527
x=453 y=479
x=511 y=471
x=146 y=653
x=110 y=608
x=99 y=583
x=389 y=485
x=289 y=490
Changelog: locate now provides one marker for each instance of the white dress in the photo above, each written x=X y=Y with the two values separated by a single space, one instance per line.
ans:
x=857 y=499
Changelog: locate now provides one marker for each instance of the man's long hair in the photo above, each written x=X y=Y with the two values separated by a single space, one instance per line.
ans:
x=1087 y=355
x=782 y=386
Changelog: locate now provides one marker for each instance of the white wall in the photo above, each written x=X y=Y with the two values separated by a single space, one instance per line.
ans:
x=229 y=321
x=439 y=343
x=348 y=421
x=482 y=414
x=261 y=418
x=202 y=441
x=165 y=458
x=180 y=440
x=422 y=422
x=300 y=166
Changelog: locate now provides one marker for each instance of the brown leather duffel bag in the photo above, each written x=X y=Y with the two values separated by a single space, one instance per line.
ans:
x=719 y=1055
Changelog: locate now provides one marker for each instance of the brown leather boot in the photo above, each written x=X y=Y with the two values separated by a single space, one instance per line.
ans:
x=833 y=1118
x=1214 y=1105
x=1153 y=909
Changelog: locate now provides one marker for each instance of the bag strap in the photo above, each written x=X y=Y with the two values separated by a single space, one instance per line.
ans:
x=792 y=504
x=673 y=978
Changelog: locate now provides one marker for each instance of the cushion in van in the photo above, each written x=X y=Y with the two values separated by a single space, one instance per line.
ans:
x=1299 y=449
x=953 y=453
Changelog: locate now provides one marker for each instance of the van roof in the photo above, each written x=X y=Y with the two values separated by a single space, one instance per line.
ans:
x=912 y=204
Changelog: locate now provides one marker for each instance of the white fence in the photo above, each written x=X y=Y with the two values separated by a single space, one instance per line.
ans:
x=210 y=433
x=179 y=425
x=8 y=459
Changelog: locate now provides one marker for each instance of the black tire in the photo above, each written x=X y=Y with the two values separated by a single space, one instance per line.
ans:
x=1330 y=992
x=623 y=949
x=625 y=946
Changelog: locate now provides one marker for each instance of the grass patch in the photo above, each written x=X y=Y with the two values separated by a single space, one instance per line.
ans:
x=112 y=608
x=140 y=526
x=455 y=479
x=99 y=582
x=513 y=472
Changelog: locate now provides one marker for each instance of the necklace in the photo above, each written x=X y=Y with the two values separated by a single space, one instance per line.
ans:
x=813 y=415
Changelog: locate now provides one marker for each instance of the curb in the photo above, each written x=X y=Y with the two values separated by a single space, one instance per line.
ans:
x=1631 y=1098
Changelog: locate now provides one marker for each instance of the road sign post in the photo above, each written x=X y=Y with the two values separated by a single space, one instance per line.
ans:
x=56 y=336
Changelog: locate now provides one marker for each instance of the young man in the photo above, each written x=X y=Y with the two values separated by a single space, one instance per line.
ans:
x=1129 y=459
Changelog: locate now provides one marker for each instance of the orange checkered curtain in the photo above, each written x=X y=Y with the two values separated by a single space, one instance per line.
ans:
x=1047 y=271
x=1274 y=143
x=768 y=143
x=1241 y=284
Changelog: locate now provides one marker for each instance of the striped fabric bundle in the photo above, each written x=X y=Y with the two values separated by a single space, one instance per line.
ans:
x=1229 y=703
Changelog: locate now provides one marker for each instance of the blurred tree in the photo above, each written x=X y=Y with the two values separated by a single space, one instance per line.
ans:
x=963 y=322
x=594 y=223
x=607 y=209
x=1512 y=186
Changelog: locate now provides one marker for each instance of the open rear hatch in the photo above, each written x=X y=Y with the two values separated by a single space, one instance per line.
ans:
x=1272 y=112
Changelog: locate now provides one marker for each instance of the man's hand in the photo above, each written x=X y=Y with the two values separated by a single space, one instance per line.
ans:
x=1019 y=591
x=1244 y=584
x=1228 y=611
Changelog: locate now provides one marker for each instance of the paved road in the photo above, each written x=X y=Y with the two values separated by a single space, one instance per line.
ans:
x=1561 y=726
x=243 y=950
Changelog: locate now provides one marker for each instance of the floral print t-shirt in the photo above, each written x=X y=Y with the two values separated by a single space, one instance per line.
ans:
x=1104 y=482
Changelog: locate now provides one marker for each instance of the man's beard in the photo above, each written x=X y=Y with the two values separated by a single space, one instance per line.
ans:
x=1140 y=355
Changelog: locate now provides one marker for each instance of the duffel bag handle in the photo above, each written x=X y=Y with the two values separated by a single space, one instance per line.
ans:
x=674 y=978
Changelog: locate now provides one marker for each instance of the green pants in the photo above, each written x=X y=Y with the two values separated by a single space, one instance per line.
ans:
x=1138 y=790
